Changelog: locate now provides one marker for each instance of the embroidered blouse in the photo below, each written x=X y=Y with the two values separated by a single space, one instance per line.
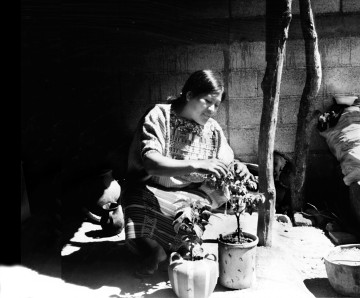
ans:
x=173 y=136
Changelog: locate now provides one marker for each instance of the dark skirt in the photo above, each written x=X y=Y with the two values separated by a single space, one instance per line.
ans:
x=149 y=213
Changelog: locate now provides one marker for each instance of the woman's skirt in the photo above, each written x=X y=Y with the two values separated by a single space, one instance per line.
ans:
x=149 y=213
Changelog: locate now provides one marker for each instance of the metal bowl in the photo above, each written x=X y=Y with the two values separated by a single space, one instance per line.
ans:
x=344 y=275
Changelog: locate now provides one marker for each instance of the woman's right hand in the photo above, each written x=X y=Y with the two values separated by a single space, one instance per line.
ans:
x=211 y=166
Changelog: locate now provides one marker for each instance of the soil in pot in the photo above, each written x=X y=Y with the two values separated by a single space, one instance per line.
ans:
x=234 y=239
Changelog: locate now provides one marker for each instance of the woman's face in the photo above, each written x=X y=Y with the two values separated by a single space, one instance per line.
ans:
x=201 y=108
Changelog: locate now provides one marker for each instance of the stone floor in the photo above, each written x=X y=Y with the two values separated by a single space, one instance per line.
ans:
x=87 y=264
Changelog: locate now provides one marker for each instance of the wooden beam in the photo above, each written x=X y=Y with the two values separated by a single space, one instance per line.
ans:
x=306 y=116
x=278 y=18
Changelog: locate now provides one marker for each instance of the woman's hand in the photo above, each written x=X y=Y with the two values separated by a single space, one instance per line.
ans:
x=242 y=170
x=211 y=166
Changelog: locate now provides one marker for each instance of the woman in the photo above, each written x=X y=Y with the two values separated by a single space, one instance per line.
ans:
x=176 y=145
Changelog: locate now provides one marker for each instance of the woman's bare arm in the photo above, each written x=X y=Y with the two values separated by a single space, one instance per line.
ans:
x=159 y=165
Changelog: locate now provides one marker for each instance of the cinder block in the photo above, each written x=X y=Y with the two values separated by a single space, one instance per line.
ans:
x=244 y=141
x=335 y=51
x=247 y=8
x=250 y=158
x=319 y=105
x=292 y=82
x=351 y=5
x=205 y=57
x=243 y=83
x=247 y=55
x=319 y=6
x=161 y=86
x=226 y=133
x=245 y=112
x=260 y=76
x=328 y=101
x=342 y=80
x=185 y=59
x=285 y=138
x=355 y=50
x=150 y=87
x=295 y=54
x=222 y=115
x=288 y=110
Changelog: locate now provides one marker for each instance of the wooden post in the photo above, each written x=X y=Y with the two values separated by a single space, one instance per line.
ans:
x=306 y=116
x=278 y=18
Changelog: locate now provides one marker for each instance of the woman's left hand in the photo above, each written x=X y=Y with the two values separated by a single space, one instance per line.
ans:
x=242 y=170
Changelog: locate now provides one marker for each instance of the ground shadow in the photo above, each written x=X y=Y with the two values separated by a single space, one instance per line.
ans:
x=109 y=263
x=98 y=234
x=40 y=246
x=321 y=287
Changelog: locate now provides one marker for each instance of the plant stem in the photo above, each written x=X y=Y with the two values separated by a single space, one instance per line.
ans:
x=238 y=225
x=191 y=251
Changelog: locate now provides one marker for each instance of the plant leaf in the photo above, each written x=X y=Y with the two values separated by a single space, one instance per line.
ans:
x=198 y=231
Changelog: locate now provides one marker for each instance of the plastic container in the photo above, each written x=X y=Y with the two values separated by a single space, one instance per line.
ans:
x=237 y=263
x=193 y=279
x=345 y=99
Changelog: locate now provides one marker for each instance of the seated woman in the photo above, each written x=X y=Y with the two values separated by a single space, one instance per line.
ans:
x=176 y=145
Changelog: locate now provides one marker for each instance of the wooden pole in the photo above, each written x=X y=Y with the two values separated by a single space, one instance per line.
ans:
x=278 y=18
x=306 y=116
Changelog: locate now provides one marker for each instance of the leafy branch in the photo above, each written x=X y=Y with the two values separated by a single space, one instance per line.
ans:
x=191 y=220
x=243 y=194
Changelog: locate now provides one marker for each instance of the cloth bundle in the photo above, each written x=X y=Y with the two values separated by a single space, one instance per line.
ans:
x=343 y=140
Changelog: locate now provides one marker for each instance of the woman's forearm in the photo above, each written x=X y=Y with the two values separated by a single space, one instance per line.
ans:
x=158 y=165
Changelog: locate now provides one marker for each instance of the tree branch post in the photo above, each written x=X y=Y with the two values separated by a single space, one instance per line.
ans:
x=306 y=116
x=278 y=18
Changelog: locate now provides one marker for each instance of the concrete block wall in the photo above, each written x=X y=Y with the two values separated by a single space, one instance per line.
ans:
x=253 y=8
x=165 y=70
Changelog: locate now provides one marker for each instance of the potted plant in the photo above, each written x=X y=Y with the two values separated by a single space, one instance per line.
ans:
x=237 y=250
x=193 y=273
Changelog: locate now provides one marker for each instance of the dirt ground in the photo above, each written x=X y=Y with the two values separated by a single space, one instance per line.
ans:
x=93 y=265
x=296 y=255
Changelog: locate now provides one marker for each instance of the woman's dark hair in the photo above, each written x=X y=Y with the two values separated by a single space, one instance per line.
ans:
x=200 y=82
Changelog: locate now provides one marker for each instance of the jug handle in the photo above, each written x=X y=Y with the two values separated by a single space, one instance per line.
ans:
x=175 y=257
x=209 y=255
